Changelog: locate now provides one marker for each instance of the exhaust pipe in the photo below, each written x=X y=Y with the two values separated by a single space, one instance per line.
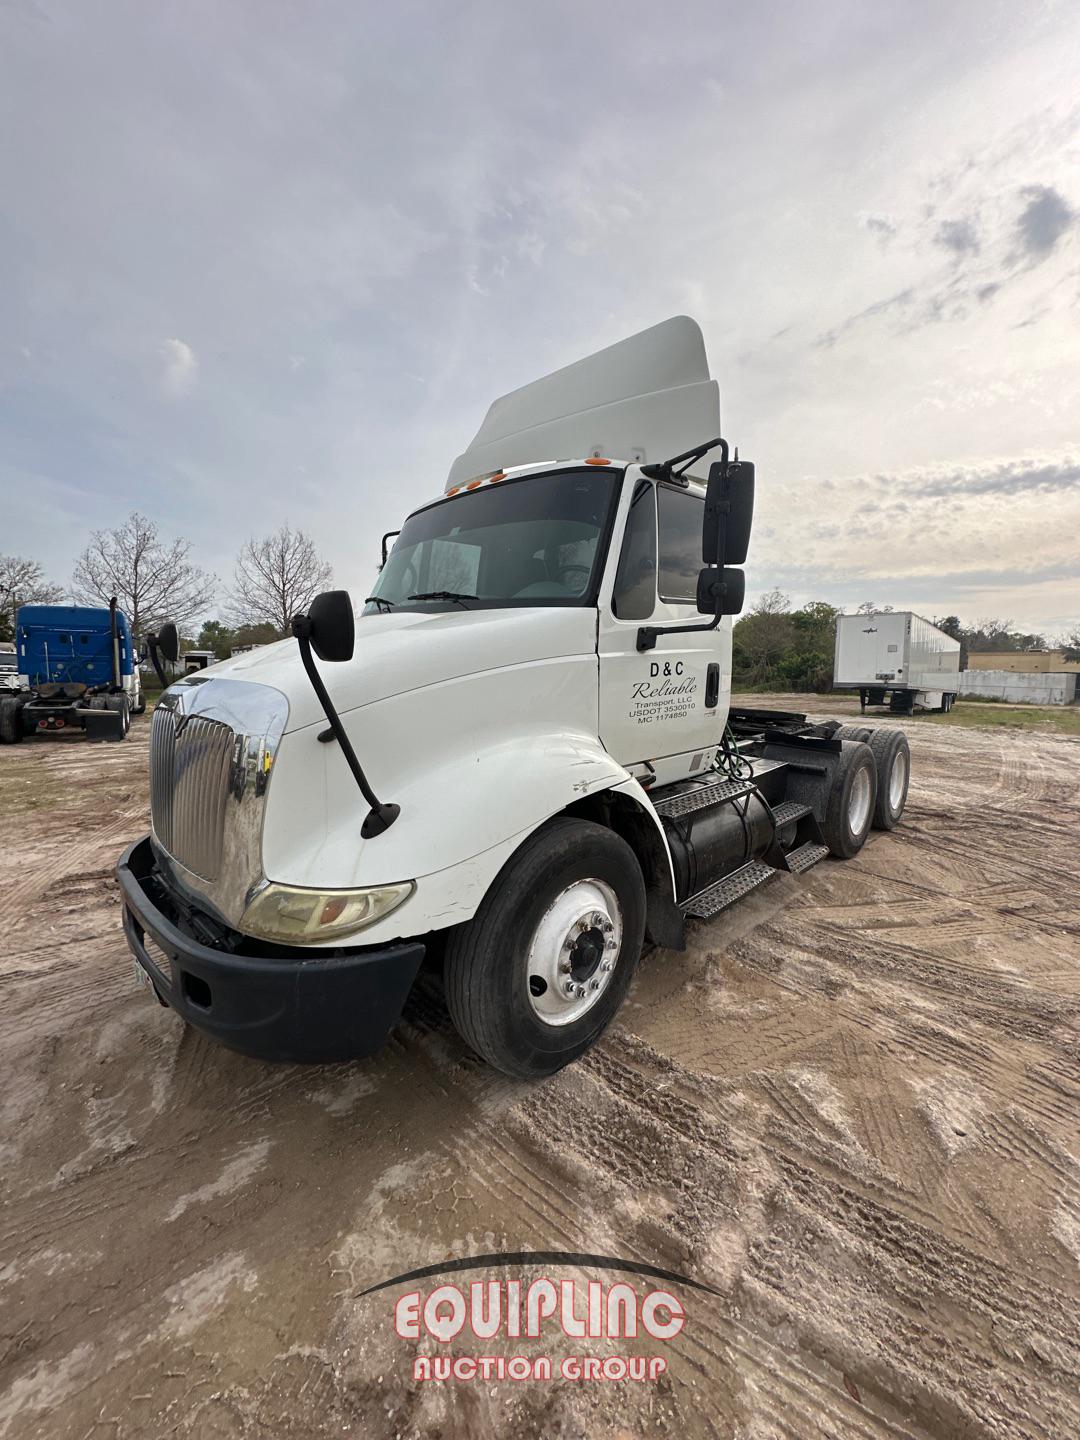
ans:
x=117 y=683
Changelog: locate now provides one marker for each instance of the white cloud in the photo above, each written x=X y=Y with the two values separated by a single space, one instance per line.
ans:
x=180 y=368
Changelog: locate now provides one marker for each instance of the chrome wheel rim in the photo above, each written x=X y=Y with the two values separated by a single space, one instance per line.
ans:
x=859 y=801
x=574 y=951
x=898 y=780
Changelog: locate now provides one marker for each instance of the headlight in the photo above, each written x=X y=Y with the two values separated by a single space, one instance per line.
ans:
x=288 y=912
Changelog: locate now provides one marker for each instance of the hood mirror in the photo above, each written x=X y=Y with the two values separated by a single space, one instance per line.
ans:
x=330 y=625
x=164 y=642
x=328 y=630
x=168 y=642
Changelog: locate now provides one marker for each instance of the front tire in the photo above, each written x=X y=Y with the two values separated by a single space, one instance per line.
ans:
x=542 y=968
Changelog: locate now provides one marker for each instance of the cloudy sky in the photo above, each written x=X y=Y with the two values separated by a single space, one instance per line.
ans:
x=267 y=262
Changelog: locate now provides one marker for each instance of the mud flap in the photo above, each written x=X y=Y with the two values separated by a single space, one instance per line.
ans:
x=665 y=924
x=103 y=724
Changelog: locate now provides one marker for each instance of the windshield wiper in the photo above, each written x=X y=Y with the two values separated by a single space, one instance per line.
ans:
x=452 y=595
x=378 y=600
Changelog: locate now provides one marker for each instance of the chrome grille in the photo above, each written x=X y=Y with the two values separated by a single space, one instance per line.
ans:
x=212 y=749
x=190 y=762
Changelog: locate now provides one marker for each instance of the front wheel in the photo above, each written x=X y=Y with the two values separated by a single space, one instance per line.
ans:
x=533 y=979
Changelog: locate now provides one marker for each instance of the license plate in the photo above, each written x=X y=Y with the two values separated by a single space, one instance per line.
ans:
x=142 y=978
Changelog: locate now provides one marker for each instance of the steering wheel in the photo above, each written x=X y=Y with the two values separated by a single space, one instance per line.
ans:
x=583 y=570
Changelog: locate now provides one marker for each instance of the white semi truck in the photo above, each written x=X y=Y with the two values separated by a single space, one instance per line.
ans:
x=518 y=762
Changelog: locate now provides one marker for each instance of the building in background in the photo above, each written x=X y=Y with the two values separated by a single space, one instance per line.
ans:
x=1025 y=662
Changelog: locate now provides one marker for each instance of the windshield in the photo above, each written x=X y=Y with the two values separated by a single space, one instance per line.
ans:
x=534 y=541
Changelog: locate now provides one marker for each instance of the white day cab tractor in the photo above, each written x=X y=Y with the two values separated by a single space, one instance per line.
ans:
x=518 y=760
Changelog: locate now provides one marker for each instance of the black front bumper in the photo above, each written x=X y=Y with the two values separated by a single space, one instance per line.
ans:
x=279 y=1006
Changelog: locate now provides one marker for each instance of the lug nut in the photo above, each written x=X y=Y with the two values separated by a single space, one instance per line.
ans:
x=595 y=985
x=611 y=945
x=608 y=927
x=607 y=966
x=570 y=987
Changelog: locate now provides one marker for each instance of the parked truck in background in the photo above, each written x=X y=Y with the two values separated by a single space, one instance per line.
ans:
x=898 y=658
x=517 y=762
x=76 y=669
x=9 y=666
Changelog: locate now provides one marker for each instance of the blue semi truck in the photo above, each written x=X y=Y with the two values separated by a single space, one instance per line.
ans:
x=77 y=669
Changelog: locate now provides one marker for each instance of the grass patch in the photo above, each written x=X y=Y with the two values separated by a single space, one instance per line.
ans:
x=988 y=715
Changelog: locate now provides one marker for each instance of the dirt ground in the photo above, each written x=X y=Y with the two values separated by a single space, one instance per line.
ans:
x=850 y=1108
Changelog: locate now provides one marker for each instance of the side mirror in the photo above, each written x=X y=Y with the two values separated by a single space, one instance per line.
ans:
x=720 y=590
x=168 y=642
x=729 y=514
x=330 y=625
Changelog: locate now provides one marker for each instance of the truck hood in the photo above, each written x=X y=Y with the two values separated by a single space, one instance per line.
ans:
x=395 y=654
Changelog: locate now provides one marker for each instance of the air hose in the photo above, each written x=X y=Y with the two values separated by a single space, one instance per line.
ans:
x=729 y=759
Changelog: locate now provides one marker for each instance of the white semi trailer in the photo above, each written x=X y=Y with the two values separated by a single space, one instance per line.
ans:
x=896 y=657
x=517 y=762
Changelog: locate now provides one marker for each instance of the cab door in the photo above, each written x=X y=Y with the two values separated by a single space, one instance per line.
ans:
x=661 y=707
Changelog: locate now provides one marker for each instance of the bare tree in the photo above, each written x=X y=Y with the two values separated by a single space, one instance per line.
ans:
x=22 y=582
x=773 y=602
x=276 y=578
x=153 y=579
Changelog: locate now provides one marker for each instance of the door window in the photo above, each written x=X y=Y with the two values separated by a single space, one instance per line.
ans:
x=634 y=596
x=681 y=514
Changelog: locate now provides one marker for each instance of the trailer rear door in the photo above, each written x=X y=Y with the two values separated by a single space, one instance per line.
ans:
x=870 y=649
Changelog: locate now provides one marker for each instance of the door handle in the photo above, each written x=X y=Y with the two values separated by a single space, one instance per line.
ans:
x=712 y=687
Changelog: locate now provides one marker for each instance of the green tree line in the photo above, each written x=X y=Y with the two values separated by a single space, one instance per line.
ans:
x=775 y=647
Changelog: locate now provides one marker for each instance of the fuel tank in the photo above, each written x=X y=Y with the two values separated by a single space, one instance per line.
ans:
x=715 y=830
